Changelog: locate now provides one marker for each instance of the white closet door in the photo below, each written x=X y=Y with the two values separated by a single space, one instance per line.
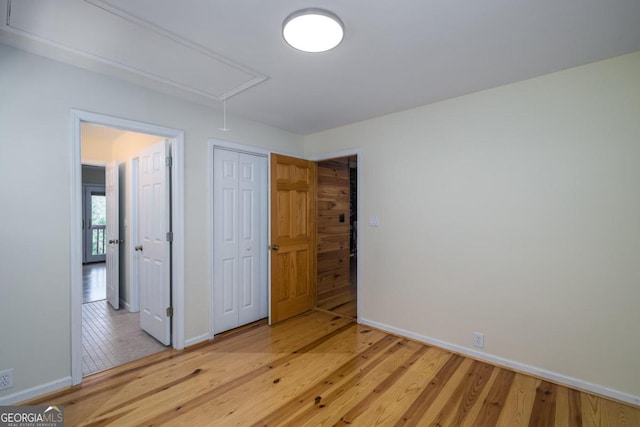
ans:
x=225 y=234
x=250 y=248
x=240 y=279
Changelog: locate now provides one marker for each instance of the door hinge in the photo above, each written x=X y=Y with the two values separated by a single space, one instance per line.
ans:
x=169 y=161
x=169 y=311
x=169 y=236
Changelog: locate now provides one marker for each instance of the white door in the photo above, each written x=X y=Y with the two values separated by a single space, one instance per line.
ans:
x=153 y=245
x=240 y=227
x=113 y=235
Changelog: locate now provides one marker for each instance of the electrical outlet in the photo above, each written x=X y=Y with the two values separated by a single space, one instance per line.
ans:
x=478 y=339
x=6 y=379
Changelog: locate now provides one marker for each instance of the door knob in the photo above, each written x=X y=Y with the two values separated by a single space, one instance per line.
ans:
x=111 y=242
x=138 y=248
x=275 y=247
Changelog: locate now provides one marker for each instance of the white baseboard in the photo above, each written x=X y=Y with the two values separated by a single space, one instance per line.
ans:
x=36 y=391
x=197 y=340
x=516 y=366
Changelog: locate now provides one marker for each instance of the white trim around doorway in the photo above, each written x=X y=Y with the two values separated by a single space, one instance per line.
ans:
x=77 y=117
x=347 y=153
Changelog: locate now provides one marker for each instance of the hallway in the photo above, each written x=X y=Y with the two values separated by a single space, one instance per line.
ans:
x=94 y=282
x=109 y=337
x=112 y=337
x=346 y=303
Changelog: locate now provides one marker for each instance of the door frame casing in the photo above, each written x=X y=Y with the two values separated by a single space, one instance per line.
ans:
x=359 y=248
x=213 y=143
x=77 y=117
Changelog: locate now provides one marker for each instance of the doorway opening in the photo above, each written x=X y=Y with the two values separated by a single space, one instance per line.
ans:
x=94 y=214
x=94 y=238
x=337 y=225
x=112 y=333
x=109 y=331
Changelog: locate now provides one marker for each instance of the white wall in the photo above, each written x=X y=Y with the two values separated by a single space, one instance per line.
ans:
x=35 y=154
x=515 y=212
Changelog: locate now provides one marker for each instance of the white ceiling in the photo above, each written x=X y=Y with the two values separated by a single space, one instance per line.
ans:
x=100 y=134
x=395 y=55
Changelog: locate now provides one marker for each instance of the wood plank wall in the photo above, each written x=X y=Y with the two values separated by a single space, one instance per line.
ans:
x=333 y=235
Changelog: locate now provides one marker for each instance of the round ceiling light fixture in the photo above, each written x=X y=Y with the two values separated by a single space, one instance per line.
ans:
x=313 y=30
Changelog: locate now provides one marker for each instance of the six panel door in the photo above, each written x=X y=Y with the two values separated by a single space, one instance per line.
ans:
x=240 y=226
x=155 y=250
x=293 y=236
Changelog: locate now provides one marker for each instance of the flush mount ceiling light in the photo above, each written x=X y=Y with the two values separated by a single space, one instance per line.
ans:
x=313 y=30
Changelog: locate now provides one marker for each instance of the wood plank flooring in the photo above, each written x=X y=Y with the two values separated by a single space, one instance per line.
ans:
x=94 y=282
x=344 y=303
x=321 y=370
x=112 y=337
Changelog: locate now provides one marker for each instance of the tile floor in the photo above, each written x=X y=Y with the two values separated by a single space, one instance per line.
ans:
x=109 y=337
x=112 y=337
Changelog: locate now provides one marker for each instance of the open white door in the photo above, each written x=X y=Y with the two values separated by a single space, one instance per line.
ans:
x=153 y=241
x=113 y=235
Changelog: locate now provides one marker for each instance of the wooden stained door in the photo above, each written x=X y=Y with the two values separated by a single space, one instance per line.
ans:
x=293 y=230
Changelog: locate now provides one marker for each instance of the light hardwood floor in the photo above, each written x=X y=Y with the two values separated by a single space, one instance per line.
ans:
x=94 y=282
x=318 y=369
